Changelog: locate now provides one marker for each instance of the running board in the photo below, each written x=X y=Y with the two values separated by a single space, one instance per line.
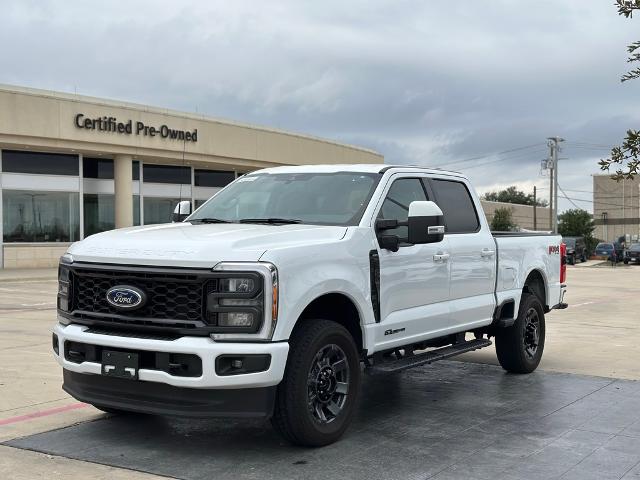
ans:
x=431 y=356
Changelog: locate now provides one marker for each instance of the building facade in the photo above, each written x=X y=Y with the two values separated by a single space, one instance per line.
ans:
x=616 y=208
x=72 y=166
x=524 y=216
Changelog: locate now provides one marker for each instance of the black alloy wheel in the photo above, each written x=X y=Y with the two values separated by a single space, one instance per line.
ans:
x=328 y=384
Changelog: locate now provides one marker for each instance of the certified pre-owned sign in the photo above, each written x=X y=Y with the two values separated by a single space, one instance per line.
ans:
x=111 y=124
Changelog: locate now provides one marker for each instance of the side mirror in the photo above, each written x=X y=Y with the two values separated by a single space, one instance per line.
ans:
x=182 y=211
x=426 y=223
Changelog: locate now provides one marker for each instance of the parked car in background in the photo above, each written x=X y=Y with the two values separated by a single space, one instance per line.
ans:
x=610 y=251
x=576 y=249
x=632 y=255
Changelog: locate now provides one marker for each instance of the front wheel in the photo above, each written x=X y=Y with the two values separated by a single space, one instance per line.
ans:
x=520 y=346
x=317 y=396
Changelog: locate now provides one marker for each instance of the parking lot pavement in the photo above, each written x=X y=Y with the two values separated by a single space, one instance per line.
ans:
x=450 y=420
x=598 y=335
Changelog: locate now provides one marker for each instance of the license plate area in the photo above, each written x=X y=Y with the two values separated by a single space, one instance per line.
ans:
x=120 y=364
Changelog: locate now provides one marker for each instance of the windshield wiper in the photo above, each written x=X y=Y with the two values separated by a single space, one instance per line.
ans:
x=271 y=220
x=209 y=220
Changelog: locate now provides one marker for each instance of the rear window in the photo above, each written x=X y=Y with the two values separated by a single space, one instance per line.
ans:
x=605 y=246
x=455 y=201
x=570 y=242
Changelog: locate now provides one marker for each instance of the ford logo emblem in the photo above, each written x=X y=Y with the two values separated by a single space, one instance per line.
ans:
x=126 y=297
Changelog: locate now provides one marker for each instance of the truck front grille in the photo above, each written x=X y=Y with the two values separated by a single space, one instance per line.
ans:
x=176 y=298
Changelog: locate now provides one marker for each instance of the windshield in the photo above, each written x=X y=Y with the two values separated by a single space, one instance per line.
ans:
x=635 y=247
x=311 y=198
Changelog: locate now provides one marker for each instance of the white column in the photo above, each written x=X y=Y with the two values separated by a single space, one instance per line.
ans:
x=1 y=218
x=123 y=190
x=81 y=195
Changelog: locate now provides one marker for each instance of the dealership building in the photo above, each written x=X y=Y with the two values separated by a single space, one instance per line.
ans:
x=72 y=166
x=616 y=208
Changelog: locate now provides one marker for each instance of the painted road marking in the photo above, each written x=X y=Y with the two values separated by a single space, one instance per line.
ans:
x=42 y=413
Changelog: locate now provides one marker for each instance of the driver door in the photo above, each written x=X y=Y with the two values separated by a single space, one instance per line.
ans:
x=414 y=281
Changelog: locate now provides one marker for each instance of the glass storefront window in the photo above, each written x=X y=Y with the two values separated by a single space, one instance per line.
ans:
x=158 y=210
x=14 y=161
x=212 y=178
x=99 y=213
x=30 y=216
x=166 y=174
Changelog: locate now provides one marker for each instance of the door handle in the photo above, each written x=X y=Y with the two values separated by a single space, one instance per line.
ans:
x=441 y=257
x=487 y=253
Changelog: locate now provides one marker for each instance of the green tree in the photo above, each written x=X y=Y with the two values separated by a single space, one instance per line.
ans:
x=577 y=223
x=513 y=195
x=625 y=158
x=502 y=220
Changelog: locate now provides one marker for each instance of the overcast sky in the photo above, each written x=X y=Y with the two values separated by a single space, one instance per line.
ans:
x=430 y=83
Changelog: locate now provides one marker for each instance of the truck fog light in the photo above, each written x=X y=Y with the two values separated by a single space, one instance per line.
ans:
x=235 y=319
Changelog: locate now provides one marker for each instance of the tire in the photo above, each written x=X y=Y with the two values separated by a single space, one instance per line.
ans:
x=626 y=262
x=520 y=346
x=310 y=388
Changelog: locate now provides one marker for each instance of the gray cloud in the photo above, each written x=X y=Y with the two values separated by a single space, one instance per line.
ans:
x=422 y=82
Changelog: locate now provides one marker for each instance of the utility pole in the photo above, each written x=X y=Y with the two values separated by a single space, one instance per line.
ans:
x=554 y=145
x=535 y=204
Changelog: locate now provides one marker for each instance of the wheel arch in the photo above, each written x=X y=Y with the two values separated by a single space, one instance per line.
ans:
x=536 y=284
x=337 y=307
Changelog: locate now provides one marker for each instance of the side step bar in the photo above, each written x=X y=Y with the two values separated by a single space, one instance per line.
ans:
x=431 y=356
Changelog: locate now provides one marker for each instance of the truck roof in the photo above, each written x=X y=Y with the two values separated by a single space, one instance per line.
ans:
x=363 y=168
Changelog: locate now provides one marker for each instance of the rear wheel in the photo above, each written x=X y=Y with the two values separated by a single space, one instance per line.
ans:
x=317 y=397
x=520 y=346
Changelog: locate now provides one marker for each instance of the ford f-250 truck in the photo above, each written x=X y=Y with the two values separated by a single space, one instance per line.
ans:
x=273 y=297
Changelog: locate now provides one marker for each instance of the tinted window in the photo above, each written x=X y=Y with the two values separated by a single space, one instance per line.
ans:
x=40 y=216
x=213 y=178
x=166 y=174
x=396 y=204
x=97 y=168
x=42 y=163
x=159 y=210
x=455 y=201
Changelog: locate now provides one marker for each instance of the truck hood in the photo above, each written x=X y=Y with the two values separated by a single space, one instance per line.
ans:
x=198 y=246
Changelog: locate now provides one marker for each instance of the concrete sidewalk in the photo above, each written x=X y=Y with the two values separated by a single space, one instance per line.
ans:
x=27 y=274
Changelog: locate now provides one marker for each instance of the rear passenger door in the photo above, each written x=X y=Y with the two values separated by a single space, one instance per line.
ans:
x=472 y=254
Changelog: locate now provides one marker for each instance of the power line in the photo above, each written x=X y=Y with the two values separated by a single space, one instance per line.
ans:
x=565 y=196
x=489 y=155
x=500 y=160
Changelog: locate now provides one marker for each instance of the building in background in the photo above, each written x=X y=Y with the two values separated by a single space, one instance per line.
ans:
x=522 y=215
x=616 y=208
x=72 y=166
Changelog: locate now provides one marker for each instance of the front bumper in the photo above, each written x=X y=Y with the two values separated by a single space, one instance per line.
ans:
x=162 y=399
x=204 y=347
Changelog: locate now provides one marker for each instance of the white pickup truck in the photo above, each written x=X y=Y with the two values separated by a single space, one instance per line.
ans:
x=273 y=297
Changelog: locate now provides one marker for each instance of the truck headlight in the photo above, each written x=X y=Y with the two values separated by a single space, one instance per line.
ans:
x=244 y=302
x=237 y=304
x=64 y=283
